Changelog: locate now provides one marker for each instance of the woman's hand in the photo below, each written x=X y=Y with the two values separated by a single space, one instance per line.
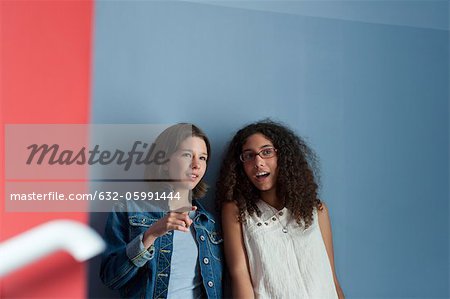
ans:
x=172 y=221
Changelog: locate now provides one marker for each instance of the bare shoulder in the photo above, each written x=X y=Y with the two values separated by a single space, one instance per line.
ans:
x=229 y=206
x=324 y=218
x=230 y=211
x=322 y=211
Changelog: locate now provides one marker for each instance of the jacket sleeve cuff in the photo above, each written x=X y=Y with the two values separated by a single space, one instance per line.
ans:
x=137 y=252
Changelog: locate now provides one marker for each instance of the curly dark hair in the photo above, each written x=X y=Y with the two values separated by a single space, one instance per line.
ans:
x=297 y=181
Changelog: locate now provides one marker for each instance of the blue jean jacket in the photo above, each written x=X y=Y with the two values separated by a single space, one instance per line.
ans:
x=138 y=272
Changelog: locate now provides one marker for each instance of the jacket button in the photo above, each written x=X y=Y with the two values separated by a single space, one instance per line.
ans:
x=202 y=238
x=210 y=284
x=206 y=260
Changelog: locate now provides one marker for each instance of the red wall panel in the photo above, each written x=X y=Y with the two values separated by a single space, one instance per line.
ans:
x=45 y=78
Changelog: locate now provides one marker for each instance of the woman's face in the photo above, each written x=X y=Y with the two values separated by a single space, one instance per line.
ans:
x=261 y=172
x=188 y=164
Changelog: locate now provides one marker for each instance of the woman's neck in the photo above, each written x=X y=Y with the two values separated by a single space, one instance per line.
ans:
x=270 y=197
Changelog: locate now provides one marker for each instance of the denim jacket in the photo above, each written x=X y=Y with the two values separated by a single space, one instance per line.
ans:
x=138 y=272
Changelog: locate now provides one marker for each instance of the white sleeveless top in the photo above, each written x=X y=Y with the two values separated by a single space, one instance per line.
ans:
x=294 y=264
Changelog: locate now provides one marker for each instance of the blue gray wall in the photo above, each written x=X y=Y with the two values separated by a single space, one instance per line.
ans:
x=366 y=83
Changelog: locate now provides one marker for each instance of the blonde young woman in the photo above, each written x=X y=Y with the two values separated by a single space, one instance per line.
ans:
x=167 y=251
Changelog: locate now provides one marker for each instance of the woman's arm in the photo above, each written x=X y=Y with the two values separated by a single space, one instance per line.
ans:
x=235 y=253
x=123 y=257
x=325 y=229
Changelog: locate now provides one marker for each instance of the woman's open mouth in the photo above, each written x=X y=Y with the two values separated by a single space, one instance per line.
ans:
x=192 y=176
x=261 y=175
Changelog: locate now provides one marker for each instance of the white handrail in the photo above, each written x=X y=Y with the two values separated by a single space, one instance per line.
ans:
x=81 y=241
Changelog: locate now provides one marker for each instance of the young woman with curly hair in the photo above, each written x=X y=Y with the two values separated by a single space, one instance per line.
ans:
x=277 y=232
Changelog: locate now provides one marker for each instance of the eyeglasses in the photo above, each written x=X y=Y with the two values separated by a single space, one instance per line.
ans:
x=265 y=153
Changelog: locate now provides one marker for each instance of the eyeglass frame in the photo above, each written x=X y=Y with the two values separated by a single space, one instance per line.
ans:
x=258 y=154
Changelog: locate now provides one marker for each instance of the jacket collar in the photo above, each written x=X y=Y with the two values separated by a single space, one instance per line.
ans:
x=202 y=211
